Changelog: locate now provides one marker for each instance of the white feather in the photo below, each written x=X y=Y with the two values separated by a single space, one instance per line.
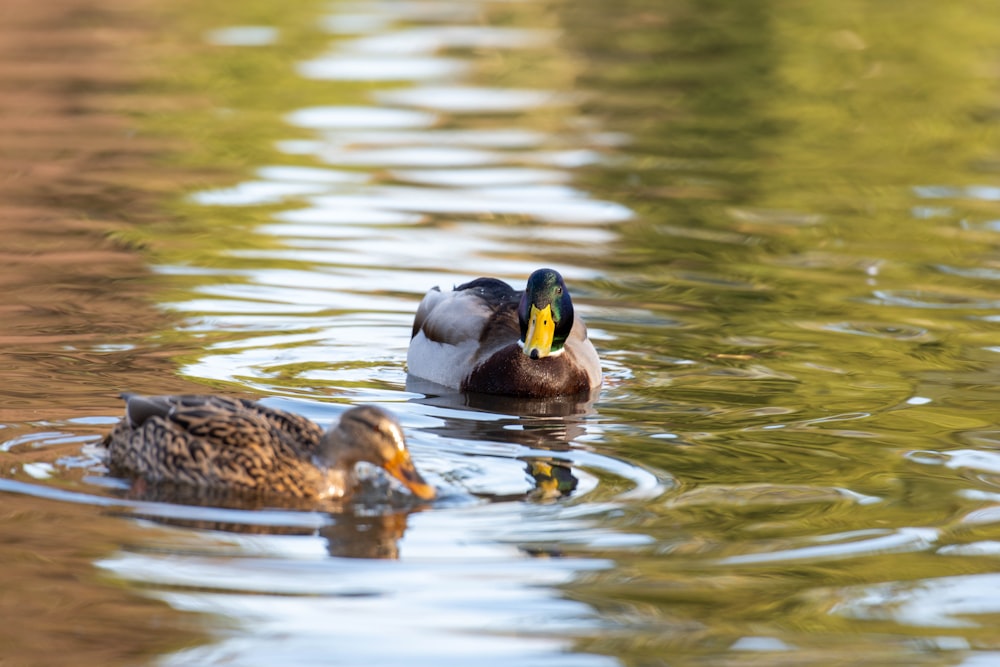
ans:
x=445 y=347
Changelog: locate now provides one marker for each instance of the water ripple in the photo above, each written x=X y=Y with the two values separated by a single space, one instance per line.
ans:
x=257 y=193
x=344 y=67
x=431 y=39
x=477 y=178
x=472 y=99
x=359 y=117
x=945 y=602
x=888 y=331
x=933 y=299
x=243 y=35
x=854 y=544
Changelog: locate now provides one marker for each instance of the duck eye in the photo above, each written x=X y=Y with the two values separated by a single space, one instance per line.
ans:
x=559 y=290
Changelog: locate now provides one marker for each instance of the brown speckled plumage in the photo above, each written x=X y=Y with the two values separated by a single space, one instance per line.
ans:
x=234 y=445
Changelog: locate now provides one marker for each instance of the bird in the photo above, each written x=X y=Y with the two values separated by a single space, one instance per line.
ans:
x=485 y=336
x=218 y=444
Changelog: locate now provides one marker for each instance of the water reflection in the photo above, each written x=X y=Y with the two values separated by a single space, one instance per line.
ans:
x=577 y=406
x=782 y=223
x=947 y=602
x=355 y=605
x=243 y=35
x=353 y=531
x=351 y=535
x=357 y=530
x=409 y=168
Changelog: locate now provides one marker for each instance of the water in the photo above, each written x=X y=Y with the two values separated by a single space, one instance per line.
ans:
x=778 y=220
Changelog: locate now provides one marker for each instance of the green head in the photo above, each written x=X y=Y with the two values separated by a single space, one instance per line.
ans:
x=545 y=314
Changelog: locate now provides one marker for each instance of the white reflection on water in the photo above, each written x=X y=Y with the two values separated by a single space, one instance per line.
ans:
x=283 y=173
x=407 y=156
x=494 y=138
x=358 y=117
x=846 y=545
x=947 y=602
x=256 y=193
x=325 y=216
x=980 y=192
x=342 y=67
x=471 y=178
x=972 y=459
x=458 y=614
x=548 y=203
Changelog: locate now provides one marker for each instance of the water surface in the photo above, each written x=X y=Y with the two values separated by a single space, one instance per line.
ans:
x=779 y=222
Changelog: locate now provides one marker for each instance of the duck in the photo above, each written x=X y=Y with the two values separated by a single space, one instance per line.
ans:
x=484 y=336
x=217 y=444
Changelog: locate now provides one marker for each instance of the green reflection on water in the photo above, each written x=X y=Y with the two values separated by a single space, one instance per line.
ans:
x=777 y=153
x=225 y=101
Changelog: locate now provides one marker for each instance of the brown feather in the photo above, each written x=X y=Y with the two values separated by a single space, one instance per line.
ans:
x=212 y=441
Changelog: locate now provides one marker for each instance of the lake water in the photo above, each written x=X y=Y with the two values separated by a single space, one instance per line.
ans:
x=780 y=220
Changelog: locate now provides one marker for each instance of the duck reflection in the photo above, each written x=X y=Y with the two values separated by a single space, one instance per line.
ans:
x=551 y=406
x=364 y=535
x=352 y=529
x=548 y=424
x=553 y=479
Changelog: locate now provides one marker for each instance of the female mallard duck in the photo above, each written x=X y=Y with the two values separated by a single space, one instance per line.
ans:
x=219 y=444
x=484 y=336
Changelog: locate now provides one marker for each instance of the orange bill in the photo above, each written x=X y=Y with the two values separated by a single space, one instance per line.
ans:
x=401 y=467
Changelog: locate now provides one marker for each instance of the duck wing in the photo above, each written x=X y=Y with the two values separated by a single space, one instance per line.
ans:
x=501 y=329
x=206 y=416
x=460 y=315
x=452 y=330
x=139 y=409
x=212 y=441
x=303 y=432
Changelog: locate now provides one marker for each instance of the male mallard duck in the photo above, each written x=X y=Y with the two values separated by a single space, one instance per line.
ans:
x=220 y=444
x=484 y=336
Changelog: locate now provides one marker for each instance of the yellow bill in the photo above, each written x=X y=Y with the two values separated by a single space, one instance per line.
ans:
x=541 y=332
